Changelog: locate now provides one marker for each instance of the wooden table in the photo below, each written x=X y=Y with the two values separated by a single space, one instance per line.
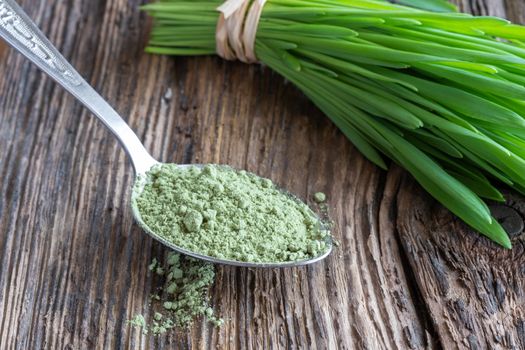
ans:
x=73 y=265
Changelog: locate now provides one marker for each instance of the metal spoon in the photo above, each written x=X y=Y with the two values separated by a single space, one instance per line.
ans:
x=18 y=30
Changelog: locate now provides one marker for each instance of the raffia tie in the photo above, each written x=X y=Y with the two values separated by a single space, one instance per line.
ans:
x=237 y=28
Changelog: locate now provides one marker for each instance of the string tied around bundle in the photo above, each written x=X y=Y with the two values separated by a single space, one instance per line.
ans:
x=237 y=29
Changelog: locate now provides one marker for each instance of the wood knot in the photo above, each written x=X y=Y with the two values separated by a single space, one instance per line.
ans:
x=509 y=218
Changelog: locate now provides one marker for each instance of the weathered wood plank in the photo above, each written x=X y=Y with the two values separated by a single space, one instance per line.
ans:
x=473 y=290
x=73 y=263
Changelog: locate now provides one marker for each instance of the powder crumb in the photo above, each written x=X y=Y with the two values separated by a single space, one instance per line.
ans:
x=193 y=220
x=168 y=94
x=140 y=322
x=217 y=322
x=153 y=265
x=177 y=273
x=172 y=288
x=320 y=197
x=228 y=214
x=173 y=259
x=266 y=183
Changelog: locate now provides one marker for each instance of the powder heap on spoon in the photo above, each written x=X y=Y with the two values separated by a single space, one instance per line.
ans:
x=228 y=214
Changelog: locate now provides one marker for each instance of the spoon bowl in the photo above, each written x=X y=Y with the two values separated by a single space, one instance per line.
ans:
x=19 y=31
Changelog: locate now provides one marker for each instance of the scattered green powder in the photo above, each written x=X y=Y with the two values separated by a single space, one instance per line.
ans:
x=320 y=197
x=184 y=296
x=228 y=214
x=139 y=321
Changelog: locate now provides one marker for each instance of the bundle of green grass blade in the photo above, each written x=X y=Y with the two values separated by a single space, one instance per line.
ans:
x=440 y=93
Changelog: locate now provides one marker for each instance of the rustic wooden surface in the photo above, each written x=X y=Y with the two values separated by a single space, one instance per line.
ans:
x=73 y=264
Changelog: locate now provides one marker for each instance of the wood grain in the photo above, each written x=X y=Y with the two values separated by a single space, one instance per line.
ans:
x=73 y=265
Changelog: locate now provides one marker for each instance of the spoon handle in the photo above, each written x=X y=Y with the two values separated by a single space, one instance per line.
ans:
x=19 y=31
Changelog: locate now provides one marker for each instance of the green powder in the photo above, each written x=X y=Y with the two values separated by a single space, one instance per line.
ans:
x=139 y=321
x=228 y=214
x=320 y=197
x=184 y=296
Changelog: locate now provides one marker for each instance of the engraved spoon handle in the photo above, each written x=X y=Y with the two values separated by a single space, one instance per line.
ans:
x=19 y=31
